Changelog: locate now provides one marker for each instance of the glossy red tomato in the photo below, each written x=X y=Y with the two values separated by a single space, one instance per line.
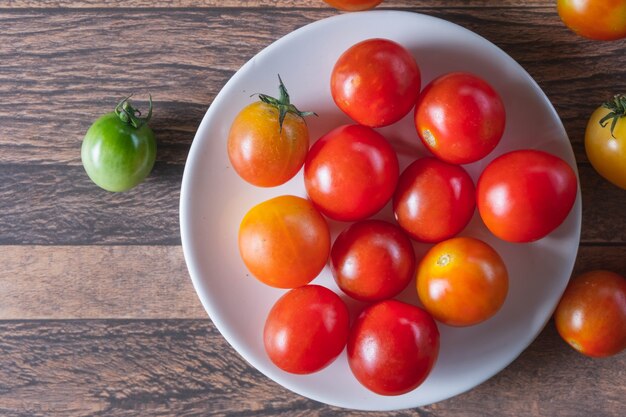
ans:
x=372 y=260
x=594 y=19
x=375 y=82
x=462 y=281
x=353 y=5
x=351 y=172
x=591 y=315
x=524 y=195
x=268 y=140
x=306 y=329
x=459 y=117
x=284 y=241
x=434 y=200
x=392 y=347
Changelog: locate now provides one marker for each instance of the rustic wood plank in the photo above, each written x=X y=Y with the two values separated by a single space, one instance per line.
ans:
x=59 y=70
x=259 y=3
x=142 y=282
x=184 y=367
x=58 y=205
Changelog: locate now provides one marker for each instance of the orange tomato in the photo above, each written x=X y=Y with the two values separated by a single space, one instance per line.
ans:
x=594 y=19
x=591 y=316
x=284 y=242
x=353 y=5
x=462 y=281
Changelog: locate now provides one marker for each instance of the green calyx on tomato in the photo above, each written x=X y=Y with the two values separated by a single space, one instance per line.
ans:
x=119 y=149
x=283 y=104
x=617 y=108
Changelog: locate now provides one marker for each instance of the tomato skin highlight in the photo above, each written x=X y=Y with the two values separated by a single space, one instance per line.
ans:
x=524 y=195
x=372 y=260
x=434 y=200
x=260 y=151
x=351 y=172
x=306 y=329
x=591 y=315
x=459 y=117
x=284 y=242
x=602 y=20
x=353 y=5
x=606 y=152
x=375 y=82
x=392 y=347
x=462 y=281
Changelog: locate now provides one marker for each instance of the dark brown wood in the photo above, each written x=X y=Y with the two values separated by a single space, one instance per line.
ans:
x=185 y=368
x=98 y=315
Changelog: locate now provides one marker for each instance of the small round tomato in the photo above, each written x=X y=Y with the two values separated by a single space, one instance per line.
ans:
x=462 y=281
x=375 y=82
x=459 y=117
x=392 y=347
x=306 y=329
x=353 y=5
x=594 y=19
x=524 y=195
x=119 y=149
x=434 y=200
x=591 y=315
x=372 y=260
x=351 y=172
x=605 y=140
x=268 y=140
x=284 y=242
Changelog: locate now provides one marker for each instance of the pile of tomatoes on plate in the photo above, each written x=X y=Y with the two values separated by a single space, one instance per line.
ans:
x=350 y=174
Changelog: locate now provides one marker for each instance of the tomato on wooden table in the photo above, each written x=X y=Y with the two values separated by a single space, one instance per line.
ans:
x=392 y=347
x=594 y=19
x=375 y=82
x=306 y=329
x=372 y=260
x=119 y=149
x=268 y=140
x=524 y=195
x=459 y=117
x=605 y=140
x=462 y=281
x=591 y=316
x=351 y=172
x=284 y=241
x=434 y=200
x=353 y=5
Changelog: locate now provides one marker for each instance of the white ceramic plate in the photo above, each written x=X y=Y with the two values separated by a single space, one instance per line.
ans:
x=214 y=200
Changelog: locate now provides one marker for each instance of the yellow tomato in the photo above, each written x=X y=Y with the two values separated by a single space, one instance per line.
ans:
x=606 y=151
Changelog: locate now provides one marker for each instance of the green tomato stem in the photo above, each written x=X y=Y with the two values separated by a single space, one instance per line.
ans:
x=130 y=115
x=617 y=108
x=283 y=104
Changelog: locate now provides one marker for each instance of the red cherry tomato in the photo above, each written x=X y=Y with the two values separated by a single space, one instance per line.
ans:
x=594 y=19
x=591 y=315
x=353 y=5
x=462 y=281
x=375 y=82
x=524 y=195
x=306 y=329
x=434 y=200
x=351 y=172
x=459 y=117
x=372 y=260
x=284 y=242
x=392 y=347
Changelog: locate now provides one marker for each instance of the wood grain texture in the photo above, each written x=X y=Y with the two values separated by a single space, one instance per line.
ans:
x=139 y=282
x=185 y=368
x=65 y=68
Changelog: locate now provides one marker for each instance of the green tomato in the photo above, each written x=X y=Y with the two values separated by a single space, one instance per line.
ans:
x=119 y=149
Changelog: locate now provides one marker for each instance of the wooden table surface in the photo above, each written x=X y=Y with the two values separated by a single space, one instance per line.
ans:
x=97 y=312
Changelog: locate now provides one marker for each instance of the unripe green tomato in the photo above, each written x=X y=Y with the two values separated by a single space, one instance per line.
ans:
x=116 y=155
